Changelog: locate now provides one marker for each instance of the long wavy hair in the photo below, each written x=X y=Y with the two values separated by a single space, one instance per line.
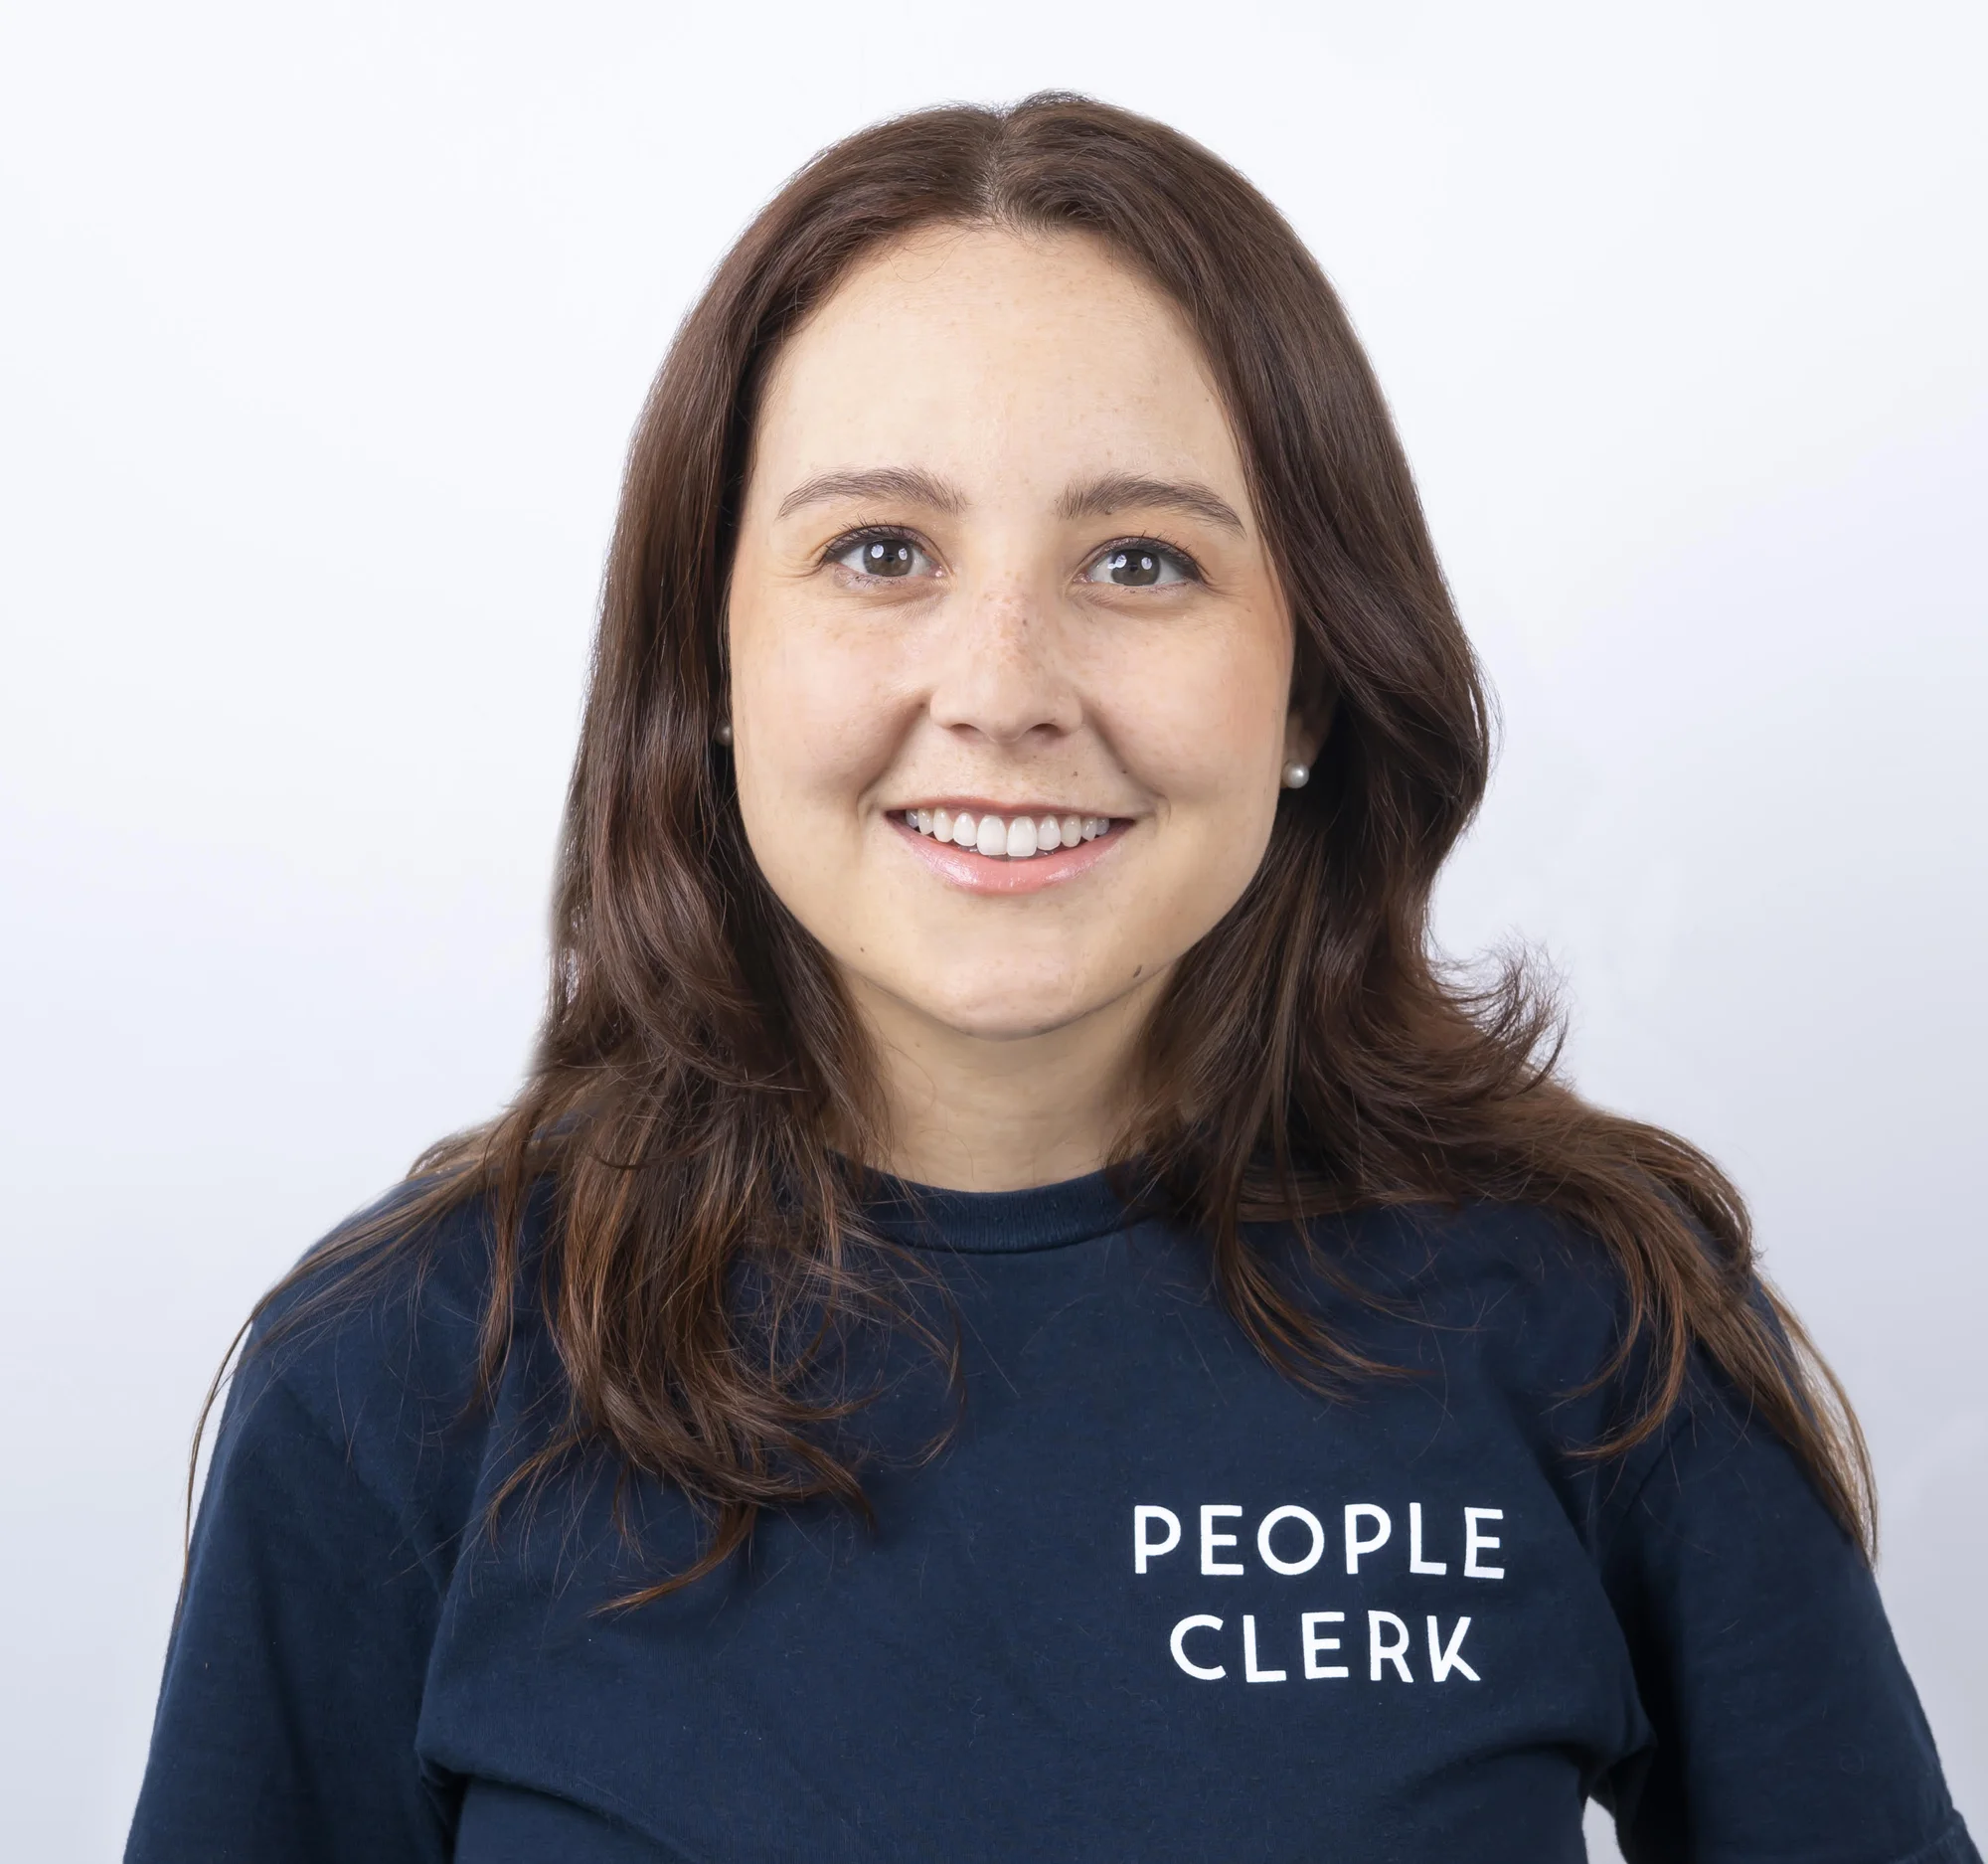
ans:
x=699 y=1082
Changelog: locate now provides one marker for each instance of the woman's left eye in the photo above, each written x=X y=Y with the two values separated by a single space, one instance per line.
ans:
x=1138 y=566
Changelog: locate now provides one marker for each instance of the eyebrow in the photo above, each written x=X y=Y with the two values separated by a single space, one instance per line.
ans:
x=907 y=483
x=1117 y=490
x=1097 y=499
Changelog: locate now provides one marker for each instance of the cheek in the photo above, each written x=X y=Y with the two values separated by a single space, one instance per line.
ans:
x=816 y=719
x=1204 y=730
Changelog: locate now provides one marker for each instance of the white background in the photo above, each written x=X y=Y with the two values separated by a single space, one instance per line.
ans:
x=323 y=331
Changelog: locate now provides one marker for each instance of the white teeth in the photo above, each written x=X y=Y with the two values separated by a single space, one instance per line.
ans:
x=1014 y=840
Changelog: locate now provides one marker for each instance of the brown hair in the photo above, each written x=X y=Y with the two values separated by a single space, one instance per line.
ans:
x=700 y=1076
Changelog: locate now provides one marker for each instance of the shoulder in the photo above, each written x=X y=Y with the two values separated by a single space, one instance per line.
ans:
x=1542 y=1310
x=1493 y=1266
x=1512 y=1304
x=375 y=1341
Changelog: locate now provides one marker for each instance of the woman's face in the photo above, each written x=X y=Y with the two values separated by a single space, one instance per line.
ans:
x=1010 y=673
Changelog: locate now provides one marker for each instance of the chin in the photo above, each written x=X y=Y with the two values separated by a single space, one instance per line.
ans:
x=1007 y=1008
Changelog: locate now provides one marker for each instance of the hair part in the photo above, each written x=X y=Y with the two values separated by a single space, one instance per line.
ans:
x=700 y=1076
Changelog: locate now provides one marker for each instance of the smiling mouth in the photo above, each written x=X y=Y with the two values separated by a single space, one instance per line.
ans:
x=1006 y=837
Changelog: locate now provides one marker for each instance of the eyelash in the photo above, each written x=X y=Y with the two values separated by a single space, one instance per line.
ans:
x=1183 y=560
x=870 y=533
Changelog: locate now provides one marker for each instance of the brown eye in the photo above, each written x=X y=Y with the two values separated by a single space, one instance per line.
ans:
x=1137 y=565
x=887 y=556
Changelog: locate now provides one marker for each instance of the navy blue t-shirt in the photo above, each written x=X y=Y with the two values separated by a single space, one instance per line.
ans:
x=1152 y=1600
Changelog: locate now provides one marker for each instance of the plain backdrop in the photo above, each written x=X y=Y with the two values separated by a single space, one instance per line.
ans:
x=322 y=335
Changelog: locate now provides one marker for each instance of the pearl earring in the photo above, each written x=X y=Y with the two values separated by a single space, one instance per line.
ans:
x=723 y=733
x=1296 y=775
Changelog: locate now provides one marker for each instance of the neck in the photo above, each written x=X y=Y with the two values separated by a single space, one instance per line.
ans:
x=970 y=1113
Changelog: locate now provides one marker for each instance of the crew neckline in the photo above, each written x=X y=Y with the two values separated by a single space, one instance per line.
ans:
x=996 y=1223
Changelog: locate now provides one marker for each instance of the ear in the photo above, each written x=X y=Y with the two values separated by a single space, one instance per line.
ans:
x=1307 y=726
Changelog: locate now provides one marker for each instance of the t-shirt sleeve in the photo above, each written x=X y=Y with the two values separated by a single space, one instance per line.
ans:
x=1786 y=1727
x=285 y=1727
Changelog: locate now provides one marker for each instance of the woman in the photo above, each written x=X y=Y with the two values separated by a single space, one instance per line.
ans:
x=1019 y=1312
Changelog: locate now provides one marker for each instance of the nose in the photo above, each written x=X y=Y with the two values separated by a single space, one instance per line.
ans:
x=1001 y=675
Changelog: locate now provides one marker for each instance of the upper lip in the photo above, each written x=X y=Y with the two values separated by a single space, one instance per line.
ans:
x=981 y=805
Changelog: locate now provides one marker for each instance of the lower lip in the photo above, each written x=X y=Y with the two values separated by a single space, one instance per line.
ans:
x=986 y=872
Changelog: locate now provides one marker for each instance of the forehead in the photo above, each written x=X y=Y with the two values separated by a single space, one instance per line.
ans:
x=960 y=347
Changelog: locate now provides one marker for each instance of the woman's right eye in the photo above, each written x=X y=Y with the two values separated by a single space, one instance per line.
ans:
x=888 y=555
